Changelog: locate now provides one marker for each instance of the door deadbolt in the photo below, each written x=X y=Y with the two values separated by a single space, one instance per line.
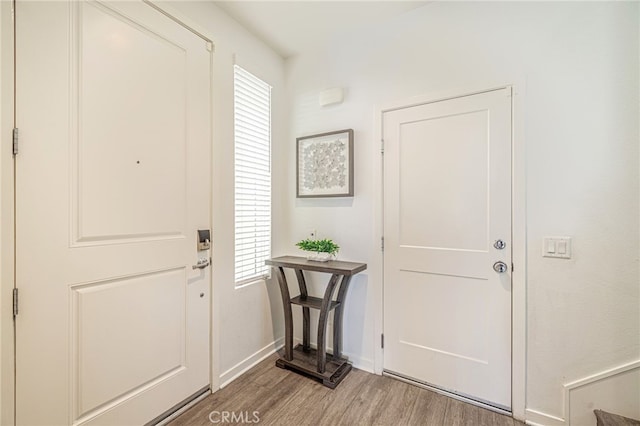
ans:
x=204 y=239
x=499 y=244
x=500 y=267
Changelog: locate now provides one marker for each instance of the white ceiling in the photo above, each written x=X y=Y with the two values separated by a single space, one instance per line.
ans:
x=291 y=27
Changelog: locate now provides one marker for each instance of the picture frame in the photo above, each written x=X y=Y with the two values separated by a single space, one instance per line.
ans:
x=324 y=165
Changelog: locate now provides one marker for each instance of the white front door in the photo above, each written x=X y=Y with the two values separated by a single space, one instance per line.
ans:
x=113 y=182
x=447 y=200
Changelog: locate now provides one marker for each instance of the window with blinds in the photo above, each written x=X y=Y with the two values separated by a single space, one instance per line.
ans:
x=252 y=112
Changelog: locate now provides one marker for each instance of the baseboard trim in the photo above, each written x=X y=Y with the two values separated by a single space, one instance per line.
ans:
x=246 y=364
x=538 y=418
x=361 y=363
x=576 y=384
x=356 y=361
x=568 y=387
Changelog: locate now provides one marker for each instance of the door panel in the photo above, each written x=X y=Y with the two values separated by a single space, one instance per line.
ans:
x=447 y=198
x=464 y=338
x=454 y=184
x=113 y=182
x=100 y=336
x=142 y=193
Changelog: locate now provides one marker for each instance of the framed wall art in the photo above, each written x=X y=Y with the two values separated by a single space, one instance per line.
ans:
x=324 y=165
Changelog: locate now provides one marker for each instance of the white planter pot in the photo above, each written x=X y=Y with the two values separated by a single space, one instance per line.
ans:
x=320 y=257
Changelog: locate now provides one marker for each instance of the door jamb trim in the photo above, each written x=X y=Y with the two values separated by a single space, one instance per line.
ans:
x=7 y=213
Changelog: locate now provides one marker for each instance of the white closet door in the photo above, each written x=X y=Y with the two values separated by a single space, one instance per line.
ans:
x=447 y=200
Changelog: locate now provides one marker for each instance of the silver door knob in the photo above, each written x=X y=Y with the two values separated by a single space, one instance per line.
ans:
x=499 y=244
x=500 y=267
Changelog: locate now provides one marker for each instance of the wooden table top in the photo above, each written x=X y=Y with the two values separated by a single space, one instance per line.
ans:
x=331 y=267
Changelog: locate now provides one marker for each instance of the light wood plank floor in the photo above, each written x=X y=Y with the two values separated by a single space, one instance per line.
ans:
x=281 y=397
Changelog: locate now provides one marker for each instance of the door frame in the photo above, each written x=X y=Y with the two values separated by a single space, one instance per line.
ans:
x=7 y=207
x=7 y=236
x=518 y=230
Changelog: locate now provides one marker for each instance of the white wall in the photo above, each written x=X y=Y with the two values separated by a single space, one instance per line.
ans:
x=246 y=321
x=575 y=70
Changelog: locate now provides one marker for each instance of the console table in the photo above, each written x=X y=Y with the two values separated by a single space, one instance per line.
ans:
x=330 y=368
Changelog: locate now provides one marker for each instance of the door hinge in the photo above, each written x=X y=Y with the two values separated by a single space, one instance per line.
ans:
x=382 y=146
x=382 y=341
x=15 y=141
x=15 y=302
x=513 y=268
x=382 y=243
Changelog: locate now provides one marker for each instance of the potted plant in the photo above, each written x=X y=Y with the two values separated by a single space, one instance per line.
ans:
x=322 y=250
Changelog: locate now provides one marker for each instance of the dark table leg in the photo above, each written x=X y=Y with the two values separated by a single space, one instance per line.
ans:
x=305 y=311
x=322 y=322
x=337 y=317
x=288 y=318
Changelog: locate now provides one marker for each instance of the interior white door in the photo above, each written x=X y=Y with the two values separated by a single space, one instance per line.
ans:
x=447 y=200
x=113 y=182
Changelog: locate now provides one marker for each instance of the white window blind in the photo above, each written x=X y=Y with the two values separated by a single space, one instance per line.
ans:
x=252 y=175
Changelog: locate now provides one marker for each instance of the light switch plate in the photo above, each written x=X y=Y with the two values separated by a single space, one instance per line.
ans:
x=558 y=247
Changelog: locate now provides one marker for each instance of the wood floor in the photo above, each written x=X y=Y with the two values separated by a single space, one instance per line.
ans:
x=272 y=396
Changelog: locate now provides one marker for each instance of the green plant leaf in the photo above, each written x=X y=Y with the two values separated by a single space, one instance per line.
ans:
x=320 y=246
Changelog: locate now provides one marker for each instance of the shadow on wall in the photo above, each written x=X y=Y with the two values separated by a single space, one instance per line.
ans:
x=275 y=306
x=354 y=316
